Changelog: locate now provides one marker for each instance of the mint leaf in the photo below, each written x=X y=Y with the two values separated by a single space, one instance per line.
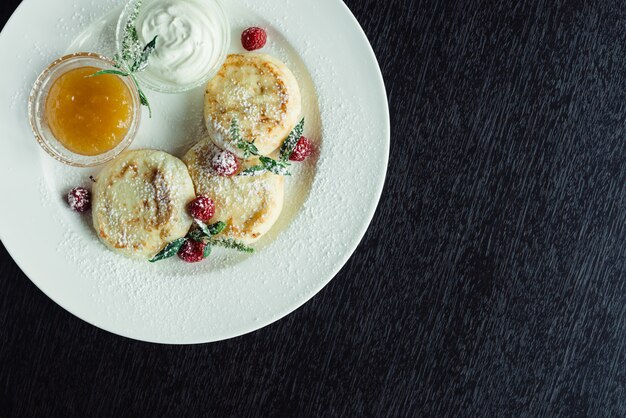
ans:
x=292 y=140
x=207 y=231
x=207 y=251
x=249 y=149
x=280 y=168
x=196 y=235
x=142 y=96
x=141 y=63
x=217 y=228
x=170 y=250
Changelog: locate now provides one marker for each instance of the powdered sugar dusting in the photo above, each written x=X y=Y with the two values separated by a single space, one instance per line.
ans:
x=171 y=301
x=174 y=132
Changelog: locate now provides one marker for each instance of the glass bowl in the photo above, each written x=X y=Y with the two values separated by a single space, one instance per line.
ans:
x=37 y=104
x=154 y=83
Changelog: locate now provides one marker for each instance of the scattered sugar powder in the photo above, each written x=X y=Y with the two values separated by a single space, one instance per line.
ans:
x=170 y=295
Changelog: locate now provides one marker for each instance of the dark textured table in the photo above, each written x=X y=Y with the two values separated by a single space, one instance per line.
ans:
x=492 y=281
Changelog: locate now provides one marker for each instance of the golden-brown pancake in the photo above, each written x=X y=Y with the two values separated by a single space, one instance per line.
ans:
x=262 y=93
x=139 y=202
x=248 y=205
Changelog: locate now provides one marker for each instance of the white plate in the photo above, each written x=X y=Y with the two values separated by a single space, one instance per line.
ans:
x=332 y=197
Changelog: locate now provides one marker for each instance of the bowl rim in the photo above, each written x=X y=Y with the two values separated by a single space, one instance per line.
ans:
x=86 y=160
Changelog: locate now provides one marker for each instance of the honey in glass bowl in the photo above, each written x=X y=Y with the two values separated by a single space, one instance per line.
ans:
x=89 y=115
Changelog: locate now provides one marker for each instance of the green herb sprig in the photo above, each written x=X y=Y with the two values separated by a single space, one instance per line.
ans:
x=279 y=167
x=203 y=233
x=232 y=244
x=206 y=233
x=248 y=147
x=134 y=56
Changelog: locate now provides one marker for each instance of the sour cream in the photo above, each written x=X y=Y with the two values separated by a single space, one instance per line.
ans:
x=191 y=43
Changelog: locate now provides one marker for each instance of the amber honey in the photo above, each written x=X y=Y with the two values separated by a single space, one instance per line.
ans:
x=89 y=115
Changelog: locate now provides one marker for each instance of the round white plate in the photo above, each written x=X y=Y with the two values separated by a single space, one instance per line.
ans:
x=332 y=197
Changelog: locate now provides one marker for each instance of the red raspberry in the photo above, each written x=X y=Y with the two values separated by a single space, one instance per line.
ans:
x=225 y=163
x=192 y=251
x=79 y=199
x=253 y=38
x=302 y=150
x=202 y=209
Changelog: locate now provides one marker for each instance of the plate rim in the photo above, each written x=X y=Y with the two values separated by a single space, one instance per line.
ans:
x=340 y=262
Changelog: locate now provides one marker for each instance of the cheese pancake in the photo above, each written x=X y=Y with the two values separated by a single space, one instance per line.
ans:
x=248 y=205
x=261 y=93
x=139 y=203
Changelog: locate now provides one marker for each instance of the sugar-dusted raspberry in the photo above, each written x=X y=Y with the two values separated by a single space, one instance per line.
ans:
x=202 y=208
x=303 y=149
x=79 y=199
x=253 y=38
x=225 y=164
x=192 y=251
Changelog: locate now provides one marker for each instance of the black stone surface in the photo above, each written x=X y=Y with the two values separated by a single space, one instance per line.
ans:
x=491 y=283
